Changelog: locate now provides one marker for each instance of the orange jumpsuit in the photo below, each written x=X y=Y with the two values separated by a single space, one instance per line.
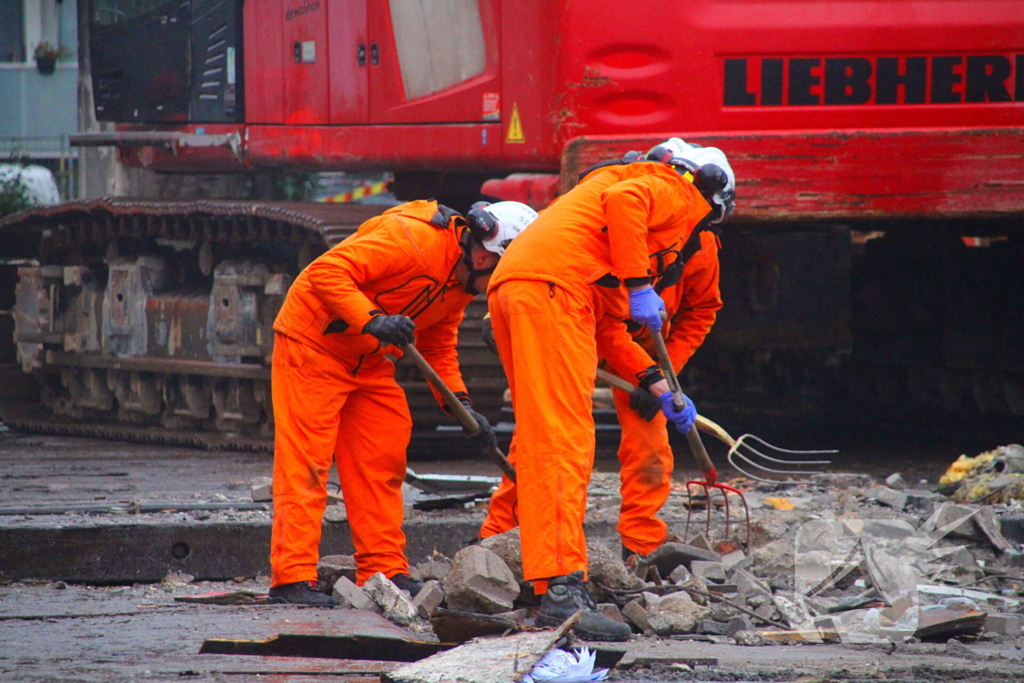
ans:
x=334 y=392
x=644 y=452
x=543 y=307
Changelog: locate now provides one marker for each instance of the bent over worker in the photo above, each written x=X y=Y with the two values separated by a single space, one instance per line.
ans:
x=542 y=301
x=689 y=287
x=405 y=276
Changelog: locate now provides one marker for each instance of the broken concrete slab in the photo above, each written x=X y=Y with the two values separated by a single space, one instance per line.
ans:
x=507 y=547
x=1005 y=624
x=740 y=622
x=483 y=660
x=747 y=584
x=891 y=497
x=896 y=481
x=330 y=568
x=636 y=616
x=429 y=598
x=612 y=611
x=842 y=480
x=480 y=581
x=262 y=489
x=395 y=603
x=792 y=613
x=749 y=638
x=436 y=568
x=347 y=594
x=671 y=555
x=732 y=559
x=950 y=513
x=714 y=571
x=453 y=626
x=674 y=613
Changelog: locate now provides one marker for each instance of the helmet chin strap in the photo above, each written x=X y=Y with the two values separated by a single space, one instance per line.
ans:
x=467 y=259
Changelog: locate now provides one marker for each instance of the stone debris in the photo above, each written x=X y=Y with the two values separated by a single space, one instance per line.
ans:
x=348 y=595
x=480 y=581
x=430 y=597
x=891 y=497
x=436 y=568
x=636 y=616
x=336 y=513
x=1005 y=624
x=749 y=638
x=395 y=604
x=330 y=568
x=262 y=489
x=507 y=547
x=895 y=481
x=674 y=613
x=671 y=555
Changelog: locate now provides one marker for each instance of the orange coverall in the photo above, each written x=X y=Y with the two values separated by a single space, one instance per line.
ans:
x=644 y=452
x=543 y=313
x=334 y=392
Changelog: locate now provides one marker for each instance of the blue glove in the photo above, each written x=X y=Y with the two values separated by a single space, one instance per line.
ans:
x=646 y=307
x=682 y=419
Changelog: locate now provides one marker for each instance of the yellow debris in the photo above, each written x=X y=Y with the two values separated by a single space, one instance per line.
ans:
x=779 y=503
x=962 y=467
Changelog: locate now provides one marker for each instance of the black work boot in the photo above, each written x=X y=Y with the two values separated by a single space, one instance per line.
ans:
x=567 y=595
x=299 y=593
x=407 y=583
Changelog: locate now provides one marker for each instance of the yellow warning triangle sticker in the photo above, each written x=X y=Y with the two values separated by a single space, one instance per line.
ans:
x=515 y=127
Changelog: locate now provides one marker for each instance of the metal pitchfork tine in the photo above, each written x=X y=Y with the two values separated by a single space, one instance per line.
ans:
x=741 y=449
x=697 y=447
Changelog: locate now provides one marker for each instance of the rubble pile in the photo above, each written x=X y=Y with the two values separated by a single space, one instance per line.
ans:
x=840 y=557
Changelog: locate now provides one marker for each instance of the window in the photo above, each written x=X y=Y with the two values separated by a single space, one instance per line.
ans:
x=106 y=12
x=12 y=31
x=440 y=43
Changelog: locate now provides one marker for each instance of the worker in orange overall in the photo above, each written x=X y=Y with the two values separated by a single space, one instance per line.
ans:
x=590 y=250
x=405 y=276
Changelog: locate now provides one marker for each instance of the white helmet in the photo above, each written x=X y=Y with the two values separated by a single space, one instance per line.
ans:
x=712 y=172
x=496 y=225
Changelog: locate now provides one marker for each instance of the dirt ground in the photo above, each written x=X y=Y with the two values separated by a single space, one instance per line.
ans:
x=53 y=631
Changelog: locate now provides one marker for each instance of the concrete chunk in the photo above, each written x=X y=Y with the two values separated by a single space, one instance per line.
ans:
x=348 y=594
x=1004 y=624
x=740 y=622
x=709 y=570
x=429 y=598
x=732 y=559
x=507 y=547
x=480 y=581
x=895 y=481
x=636 y=616
x=262 y=489
x=330 y=568
x=394 y=602
x=747 y=584
x=675 y=613
x=894 y=499
x=671 y=555
x=968 y=528
x=437 y=567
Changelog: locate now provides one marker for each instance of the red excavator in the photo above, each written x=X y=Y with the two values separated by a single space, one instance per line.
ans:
x=874 y=259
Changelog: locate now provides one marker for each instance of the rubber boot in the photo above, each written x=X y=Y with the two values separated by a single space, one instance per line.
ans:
x=567 y=595
x=299 y=593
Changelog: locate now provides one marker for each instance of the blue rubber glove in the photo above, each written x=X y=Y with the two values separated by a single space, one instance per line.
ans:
x=682 y=419
x=646 y=307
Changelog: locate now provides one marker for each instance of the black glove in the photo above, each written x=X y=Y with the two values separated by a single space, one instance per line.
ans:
x=487 y=334
x=484 y=437
x=644 y=403
x=391 y=329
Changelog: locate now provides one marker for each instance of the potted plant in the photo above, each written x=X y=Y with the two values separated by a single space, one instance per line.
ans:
x=46 y=56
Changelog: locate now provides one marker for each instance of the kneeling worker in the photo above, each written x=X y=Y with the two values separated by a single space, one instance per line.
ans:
x=405 y=276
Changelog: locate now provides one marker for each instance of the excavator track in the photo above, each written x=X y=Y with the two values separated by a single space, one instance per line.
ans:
x=151 y=321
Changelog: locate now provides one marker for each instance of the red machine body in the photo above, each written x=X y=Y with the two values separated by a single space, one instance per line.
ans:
x=850 y=108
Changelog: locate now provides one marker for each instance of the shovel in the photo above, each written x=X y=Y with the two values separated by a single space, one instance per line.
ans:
x=459 y=410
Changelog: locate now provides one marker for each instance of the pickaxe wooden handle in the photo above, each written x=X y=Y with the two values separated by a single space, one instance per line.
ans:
x=457 y=408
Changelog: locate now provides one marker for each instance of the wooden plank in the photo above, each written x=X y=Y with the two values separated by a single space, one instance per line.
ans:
x=483 y=660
